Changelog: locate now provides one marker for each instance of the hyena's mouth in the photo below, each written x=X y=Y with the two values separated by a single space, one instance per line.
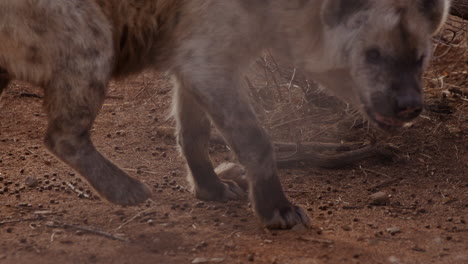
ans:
x=385 y=122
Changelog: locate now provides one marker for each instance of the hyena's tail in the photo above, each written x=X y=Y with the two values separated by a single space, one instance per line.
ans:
x=4 y=80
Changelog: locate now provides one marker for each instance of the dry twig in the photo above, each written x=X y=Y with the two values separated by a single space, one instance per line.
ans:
x=89 y=230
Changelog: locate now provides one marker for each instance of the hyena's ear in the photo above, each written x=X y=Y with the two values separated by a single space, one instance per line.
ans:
x=436 y=12
x=336 y=12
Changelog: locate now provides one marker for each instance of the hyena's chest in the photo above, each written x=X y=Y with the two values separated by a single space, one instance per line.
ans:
x=142 y=31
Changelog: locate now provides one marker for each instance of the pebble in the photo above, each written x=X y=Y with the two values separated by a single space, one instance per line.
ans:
x=393 y=260
x=346 y=228
x=206 y=260
x=393 y=230
x=299 y=227
x=379 y=199
x=200 y=260
x=418 y=249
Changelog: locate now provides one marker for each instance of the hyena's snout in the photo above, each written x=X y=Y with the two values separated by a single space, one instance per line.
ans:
x=402 y=103
x=408 y=105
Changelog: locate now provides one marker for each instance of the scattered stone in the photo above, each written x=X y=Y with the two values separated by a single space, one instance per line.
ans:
x=31 y=182
x=346 y=228
x=165 y=131
x=418 y=249
x=393 y=230
x=50 y=224
x=299 y=227
x=200 y=260
x=448 y=200
x=394 y=260
x=206 y=260
x=217 y=260
x=379 y=199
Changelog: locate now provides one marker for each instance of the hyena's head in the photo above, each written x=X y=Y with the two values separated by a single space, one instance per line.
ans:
x=387 y=47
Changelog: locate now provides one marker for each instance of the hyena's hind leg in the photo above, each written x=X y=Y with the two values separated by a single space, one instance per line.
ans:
x=67 y=48
x=72 y=106
x=193 y=133
x=73 y=96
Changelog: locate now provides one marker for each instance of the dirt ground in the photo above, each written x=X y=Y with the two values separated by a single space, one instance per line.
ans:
x=49 y=215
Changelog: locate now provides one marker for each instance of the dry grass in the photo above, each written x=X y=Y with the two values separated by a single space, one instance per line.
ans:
x=447 y=79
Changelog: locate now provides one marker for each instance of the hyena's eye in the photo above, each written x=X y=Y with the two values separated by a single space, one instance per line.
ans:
x=373 y=56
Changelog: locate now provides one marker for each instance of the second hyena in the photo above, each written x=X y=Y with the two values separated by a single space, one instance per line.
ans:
x=371 y=53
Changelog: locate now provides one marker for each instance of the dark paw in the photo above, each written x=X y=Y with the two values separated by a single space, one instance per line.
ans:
x=223 y=191
x=287 y=217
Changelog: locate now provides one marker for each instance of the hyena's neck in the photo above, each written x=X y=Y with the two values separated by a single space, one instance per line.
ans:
x=292 y=18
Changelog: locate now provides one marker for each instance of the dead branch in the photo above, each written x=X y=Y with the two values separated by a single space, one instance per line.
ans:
x=314 y=146
x=308 y=154
x=89 y=230
x=134 y=217
x=80 y=193
x=290 y=154
x=20 y=220
x=383 y=184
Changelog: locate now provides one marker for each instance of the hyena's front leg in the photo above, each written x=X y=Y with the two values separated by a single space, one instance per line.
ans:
x=224 y=102
x=193 y=134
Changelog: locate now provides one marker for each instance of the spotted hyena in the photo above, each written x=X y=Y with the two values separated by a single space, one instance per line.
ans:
x=371 y=53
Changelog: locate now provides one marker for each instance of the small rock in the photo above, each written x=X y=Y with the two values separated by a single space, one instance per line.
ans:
x=393 y=260
x=217 y=260
x=346 y=228
x=418 y=249
x=299 y=227
x=50 y=224
x=379 y=199
x=31 y=182
x=200 y=260
x=447 y=200
x=393 y=230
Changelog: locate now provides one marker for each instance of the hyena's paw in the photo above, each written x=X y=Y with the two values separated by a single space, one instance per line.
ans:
x=222 y=191
x=233 y=172
x=287 y=217
x=125 y=191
